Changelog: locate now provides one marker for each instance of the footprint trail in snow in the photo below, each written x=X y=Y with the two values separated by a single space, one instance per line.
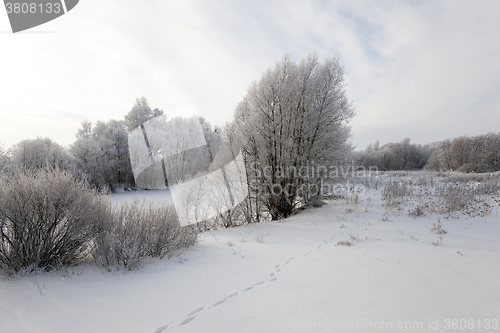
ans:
x=273 y=276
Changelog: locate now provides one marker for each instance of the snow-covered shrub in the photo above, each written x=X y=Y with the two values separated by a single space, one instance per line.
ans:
x=449 y=194
x=438 y=228
x=47 y=219
x=395 y=192
x=138 y=230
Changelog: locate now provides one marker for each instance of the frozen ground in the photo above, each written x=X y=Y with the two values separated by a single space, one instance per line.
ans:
x=286 y=276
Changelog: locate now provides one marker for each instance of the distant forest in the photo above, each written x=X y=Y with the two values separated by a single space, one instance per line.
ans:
x=464 y=154
x=99 y=154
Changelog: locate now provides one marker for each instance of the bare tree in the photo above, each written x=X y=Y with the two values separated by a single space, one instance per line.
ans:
x=476 y=154
x=297 y=114
x=4 y=159
x=101 y=152
x=395 y=156
x=40 y=153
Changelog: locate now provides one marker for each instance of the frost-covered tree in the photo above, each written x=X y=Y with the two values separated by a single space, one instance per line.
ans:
x=101 y=152
x=401 y=155
x=140 y=113
x=40 y=153
x=477 y=154
x=295 y=115
x=4 y=159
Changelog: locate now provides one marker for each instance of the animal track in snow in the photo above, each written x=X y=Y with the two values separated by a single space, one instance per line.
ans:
x=273 y=276
x=187 y=320
x=161 y=329
x=224 y=300
x=306 y=254
x=196 y=311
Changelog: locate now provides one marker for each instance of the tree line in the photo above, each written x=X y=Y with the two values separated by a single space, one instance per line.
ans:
x=464 y=154
x=467 y=154
x=99 y=154
x=395 y=156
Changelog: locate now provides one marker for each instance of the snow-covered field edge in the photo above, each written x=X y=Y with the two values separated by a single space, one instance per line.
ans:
x=351 y=265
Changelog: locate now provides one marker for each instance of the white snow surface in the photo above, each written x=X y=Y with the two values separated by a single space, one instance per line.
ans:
x=284 y=276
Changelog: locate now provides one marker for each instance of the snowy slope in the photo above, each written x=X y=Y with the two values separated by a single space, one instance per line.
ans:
x=284 y=276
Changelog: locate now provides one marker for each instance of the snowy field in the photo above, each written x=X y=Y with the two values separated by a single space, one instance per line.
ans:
x=296 y=275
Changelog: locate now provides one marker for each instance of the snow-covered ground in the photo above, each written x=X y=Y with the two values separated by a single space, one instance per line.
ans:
x=286 y=276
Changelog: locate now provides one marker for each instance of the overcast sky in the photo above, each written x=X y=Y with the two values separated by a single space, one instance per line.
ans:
x=427 y=70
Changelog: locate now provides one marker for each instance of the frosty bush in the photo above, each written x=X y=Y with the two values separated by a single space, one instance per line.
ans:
x=472 y=195
x=137 y=230
x=46 y=220
x=50 y=219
